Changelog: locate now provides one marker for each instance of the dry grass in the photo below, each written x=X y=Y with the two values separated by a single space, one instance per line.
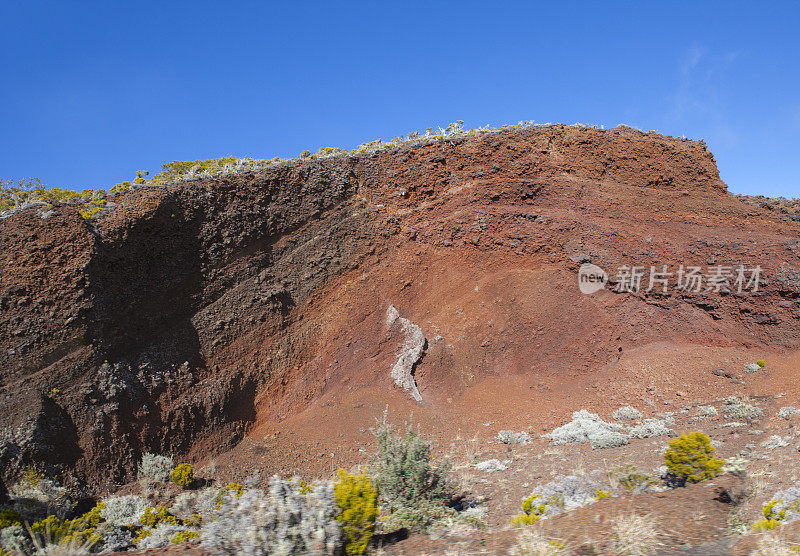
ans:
x=532 y=543
x=773 y=544
x=635 y=535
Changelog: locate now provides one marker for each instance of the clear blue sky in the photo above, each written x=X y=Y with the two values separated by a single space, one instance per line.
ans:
x=92 y=91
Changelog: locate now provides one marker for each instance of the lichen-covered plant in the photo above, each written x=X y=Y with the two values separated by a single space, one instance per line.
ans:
x=691 y=458
x=123 y=511
x=280 y=520
x=357 y=500
x=36 y=496
x=589 y=427
x=155 y=467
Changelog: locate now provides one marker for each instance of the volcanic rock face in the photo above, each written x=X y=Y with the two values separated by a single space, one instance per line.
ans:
x=195 y=312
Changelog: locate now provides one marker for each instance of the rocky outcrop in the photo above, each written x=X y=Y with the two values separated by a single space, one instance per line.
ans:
x=193 y=311
x=410 y=352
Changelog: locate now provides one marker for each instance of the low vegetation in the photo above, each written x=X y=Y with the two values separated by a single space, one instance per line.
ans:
x=690 y=458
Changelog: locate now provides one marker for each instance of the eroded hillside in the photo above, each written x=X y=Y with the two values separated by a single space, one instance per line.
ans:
x=247 y=315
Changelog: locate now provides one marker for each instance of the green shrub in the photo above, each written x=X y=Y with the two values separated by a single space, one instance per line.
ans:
x=158 y=514
x=357 y=500
x=533 y=508
x=81 y=531
x=231 y=488
x=184 y=537
x=691 y=457
x=9 y=518
x=631 y=478
x=182 y=475
x=771 y=519
x=403 y=471
x=761 y=363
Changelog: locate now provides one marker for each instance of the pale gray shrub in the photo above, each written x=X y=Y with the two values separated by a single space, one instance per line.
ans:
x=511 y=437
x=492 y=465
x=280 y=520
x=160 y=535
x=786 y=412
x=40 y=497
x=774 y=441
x=789 y=500
x=13 y=538
x=751 y=368
x=589 y=427
x=156 y=467
x=567 y=492
x=120 y=511
x=669 y=418
x=707 y=411
x=738 y=409
x=116 y=539
x=627 y=413
x=650 y=428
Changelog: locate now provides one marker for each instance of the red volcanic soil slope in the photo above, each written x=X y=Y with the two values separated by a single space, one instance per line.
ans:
x=243 y=319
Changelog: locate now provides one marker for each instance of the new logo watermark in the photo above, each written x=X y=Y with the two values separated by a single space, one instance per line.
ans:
x=591 y=278
x=662 y=278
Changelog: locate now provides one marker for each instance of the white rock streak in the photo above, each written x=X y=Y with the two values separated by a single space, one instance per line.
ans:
x=410 y=352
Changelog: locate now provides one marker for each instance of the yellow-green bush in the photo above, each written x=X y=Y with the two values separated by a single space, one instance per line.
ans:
x=771 y=519
x=230 y=488
x=154 y=515
x=357 y=500
x=691 y=457
x=9 y=518
x=182 y=475
x=81 y=531
x=600 y=494
x=184 y=536
x=532 y=511
x=761 y=363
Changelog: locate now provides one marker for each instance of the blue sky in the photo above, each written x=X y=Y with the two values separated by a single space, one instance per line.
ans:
x=93 y=91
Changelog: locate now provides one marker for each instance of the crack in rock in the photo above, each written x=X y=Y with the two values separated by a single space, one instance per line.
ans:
x=410 y=352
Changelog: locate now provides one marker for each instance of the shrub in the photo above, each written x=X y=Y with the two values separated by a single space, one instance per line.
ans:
x=707 y=411
x=533 y=508
x=156 y=467
x=278 y=521
x=632 y=479
x=182 y=475
x=691 y=457
x=761 y=363
x=627 y=412
x=159 y=514
x=772 y=517
x=740 y=409
x=357 y=500
x=9 y=518
x=123 y=511
x=36 y=496
x=589 y=427
x=403 y=471
x=786 y=412
x=423 y=517
x=184 y=537
x=511 y=437
x=81 y=531
x=650 y=428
